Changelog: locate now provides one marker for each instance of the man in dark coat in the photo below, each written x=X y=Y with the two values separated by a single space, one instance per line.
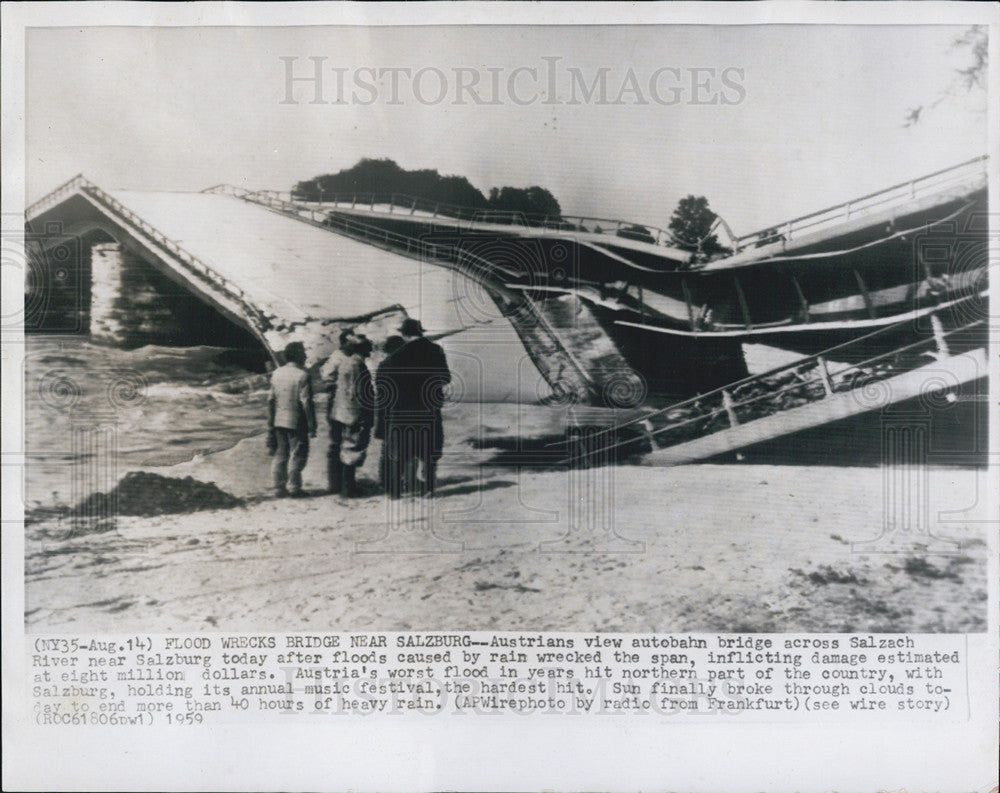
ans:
x=383 y=397
x=412 y=386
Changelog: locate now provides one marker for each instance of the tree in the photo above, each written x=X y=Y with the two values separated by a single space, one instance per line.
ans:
x=691 y=226
x=534 y=202
x=968 y=78
x=384 y=178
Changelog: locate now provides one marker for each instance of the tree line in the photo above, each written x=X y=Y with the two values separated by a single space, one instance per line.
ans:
x=385 y=177
x=692 y=224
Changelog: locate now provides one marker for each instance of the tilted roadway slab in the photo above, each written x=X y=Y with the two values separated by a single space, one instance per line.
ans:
x=308 y=281
x=877 y=395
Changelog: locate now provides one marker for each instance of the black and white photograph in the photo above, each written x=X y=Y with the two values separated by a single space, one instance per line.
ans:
x=462 y=325
x=676 y=347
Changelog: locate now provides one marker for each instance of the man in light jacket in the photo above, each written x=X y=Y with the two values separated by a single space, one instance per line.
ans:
x=292 y=417
x=349 y=385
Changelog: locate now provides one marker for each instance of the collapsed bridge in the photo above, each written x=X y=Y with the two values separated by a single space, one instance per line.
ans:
x=183 y=268
x=532 y=309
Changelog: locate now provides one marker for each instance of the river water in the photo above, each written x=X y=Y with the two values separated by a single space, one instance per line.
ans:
x=94 y=412
x=161 y=405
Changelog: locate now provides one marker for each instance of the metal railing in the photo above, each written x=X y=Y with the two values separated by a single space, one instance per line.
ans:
x=408 y=205
x=897 y=194
x=53 y=197
x=228 y=189
x=757 y=396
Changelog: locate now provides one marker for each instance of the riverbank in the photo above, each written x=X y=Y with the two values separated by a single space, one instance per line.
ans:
x=709 y=547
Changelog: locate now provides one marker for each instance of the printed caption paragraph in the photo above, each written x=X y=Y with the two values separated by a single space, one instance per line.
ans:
x=216 y=678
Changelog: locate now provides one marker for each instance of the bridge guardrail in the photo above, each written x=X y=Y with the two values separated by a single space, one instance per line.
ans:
x=56 y=195
x=188 y=258
x=898 y=193
x=405 y=204
x=904 y=191
x=409 y=205
x=228 y=189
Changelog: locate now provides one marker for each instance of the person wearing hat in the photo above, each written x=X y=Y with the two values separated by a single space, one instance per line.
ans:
x=416 y=373
x=291 y=417
x=384 y=396
x=349 y=411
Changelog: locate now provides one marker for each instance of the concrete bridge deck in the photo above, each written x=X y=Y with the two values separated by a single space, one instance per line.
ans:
x=284 y=280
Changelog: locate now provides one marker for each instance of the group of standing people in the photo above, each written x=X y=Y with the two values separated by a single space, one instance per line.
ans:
x=400 y=404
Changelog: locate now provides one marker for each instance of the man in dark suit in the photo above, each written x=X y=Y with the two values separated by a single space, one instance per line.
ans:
x=384 y=396
x=412 y=383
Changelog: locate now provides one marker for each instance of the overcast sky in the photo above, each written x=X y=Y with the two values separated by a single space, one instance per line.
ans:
x=806 y=115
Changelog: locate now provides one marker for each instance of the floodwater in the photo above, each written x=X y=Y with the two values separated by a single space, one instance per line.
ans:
x=93 y=413
x=126 y=409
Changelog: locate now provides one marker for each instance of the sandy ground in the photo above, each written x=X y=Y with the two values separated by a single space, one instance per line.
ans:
x=708 y=547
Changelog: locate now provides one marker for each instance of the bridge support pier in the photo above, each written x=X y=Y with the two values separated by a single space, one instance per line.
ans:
x=105 y=293
x=131 y=303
